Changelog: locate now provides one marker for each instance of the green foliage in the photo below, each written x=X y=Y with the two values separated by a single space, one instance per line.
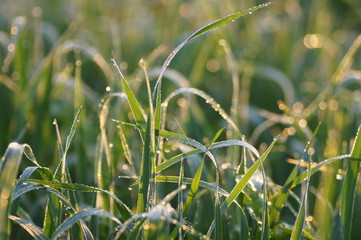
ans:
x=143 y=156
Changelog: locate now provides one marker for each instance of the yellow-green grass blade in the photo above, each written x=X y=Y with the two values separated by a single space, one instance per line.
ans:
x=35 y=231
x=9 y=166
x=349 y=187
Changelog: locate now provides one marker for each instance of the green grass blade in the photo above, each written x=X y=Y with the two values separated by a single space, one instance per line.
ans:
x=70 y=221
x=145 y=171
x=301 y=216
x=126 y=213
x=203 y=30
x=135 y=107
x=227 y=143
x=35 y=231
x=218 y=230
x=349 y=187
x=242 y=183
x=9 y=166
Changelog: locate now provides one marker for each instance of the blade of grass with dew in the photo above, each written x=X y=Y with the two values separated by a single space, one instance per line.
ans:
x=227 y=143
x=135 y=107
x=209 y=100
x=242 y=183
x=195 y=183
x=70 y=221
x=9 y=166
x=233 y=153
x=301 y=216
x=35 y=231
x=197 y=177
x=303 y=176
x=349 y=187
x=218 y=23
x=25 y=186
x=281 y=196
x=84 y=188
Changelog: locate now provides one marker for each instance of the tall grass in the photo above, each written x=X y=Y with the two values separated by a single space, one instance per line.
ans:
x=249 y=131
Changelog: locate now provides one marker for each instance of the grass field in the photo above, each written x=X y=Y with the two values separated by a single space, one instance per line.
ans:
x=170 y=119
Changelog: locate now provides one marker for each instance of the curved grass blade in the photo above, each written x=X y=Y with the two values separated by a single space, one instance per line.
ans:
x=35 y=231
x=216 y=145
x=9 y=166
x=70 y=221
x=203 y=30
x=197 y=178
x=349 y=187
x=242 y=183
x=126 y=213
x=209 y=100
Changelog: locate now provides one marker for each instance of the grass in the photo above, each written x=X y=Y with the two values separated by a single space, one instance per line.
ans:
x=250 y=129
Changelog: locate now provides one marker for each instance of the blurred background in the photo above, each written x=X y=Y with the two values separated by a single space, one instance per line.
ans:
x=55 y=57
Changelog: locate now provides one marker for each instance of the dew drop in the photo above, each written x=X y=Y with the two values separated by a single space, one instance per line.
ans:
x=107 y=89
x=25 y=183
x=130 y=188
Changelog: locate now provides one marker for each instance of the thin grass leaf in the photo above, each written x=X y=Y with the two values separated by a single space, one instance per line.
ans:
x=301 y=216
x=209 y=100
x=242 y=183
x=135 y=107
x=216 y=145
x=126 y=213
x=70 y=221
x=218 y=230
x=9 y=166
x=35 y=231
x=203 y=30
x=145 y=171
x=349 y=187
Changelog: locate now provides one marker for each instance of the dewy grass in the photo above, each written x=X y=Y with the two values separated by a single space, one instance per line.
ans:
x=158 y=173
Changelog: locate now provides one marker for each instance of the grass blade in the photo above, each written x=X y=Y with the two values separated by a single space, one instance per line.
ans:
x=9 y=166
x=349 y=187
x=301 y=216
x=35 y=231
x=242 y=183
x=135 y=107
x=70 y=221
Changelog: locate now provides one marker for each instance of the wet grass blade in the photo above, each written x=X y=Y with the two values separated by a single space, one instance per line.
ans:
x=242 y=183
x=135 y=107
x=35 y=231
x=216 y=145
x=70 y=221
x=9 y=166
x=349 y=187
